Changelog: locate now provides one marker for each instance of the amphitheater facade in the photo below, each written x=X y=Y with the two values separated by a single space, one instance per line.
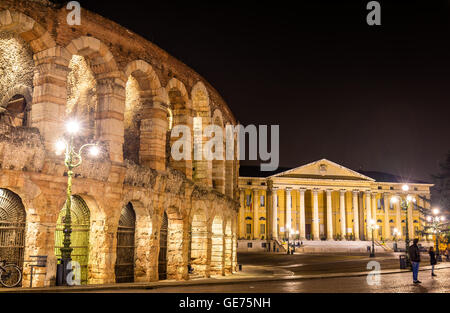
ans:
x=138 y=215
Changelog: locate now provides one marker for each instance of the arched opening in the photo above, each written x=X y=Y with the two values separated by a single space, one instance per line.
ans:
x=217 y=251
x=12 y=227
x=202 y=168
x=82 y=99
x=198 y=255
x=80 y=216
x=181 y=115
x=218 y=164
x=162 y=256
x=124 y=268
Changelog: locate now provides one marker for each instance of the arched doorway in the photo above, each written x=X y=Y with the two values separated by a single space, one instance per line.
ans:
x=80 y=216
x=162 y=257
x=124 y=268
x=12 y=227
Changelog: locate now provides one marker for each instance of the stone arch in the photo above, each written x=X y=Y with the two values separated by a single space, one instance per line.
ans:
x=125 y=247
x=27 y=28
x=199 y=242
x=202 y=169
x=80 y=236
x=12 y=227
x=176 y=253
x=218 y=165
x=217 y=246
x=146 y=116
x=110 y=91
x=180 y=106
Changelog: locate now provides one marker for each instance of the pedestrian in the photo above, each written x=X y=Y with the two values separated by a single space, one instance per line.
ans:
x=414 y=257
x=433 y=260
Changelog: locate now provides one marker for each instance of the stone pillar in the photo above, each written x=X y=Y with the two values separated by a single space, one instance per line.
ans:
x=242 y=214
x=374 y=213
x=368 y=216
x=154 y=126
x=287 y=224
x=329 y=216
x=355 y=215
x=109 y=118
x=315 y=225
x=255 y=214
x=302 y=215
x=387 y=228
x=274 y=214
x=398 y=219
x=342 y=214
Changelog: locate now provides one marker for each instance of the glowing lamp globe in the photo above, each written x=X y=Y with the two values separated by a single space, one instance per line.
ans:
x=73 y=127
x=405 y=187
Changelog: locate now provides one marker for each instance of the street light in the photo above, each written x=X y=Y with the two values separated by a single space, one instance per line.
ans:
x=405 y=201
x=373 y=226
x=288 y=229
x=72 y=160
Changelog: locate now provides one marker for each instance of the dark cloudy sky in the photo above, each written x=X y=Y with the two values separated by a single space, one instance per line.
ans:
x=371 y=98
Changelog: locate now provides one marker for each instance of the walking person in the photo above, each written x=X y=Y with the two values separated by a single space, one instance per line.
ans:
x=414 y=257
x=433 y=260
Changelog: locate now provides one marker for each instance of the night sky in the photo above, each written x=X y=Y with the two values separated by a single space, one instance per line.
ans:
x=367 y=97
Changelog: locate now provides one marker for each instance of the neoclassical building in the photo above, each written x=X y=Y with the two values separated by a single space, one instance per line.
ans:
x=137 y=214
x=324 y=200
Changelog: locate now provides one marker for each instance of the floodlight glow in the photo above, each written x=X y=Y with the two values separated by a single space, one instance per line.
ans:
x=435 y=211
x=73 y=127
x=394 y=199
x=60 y=146
x=94 y=151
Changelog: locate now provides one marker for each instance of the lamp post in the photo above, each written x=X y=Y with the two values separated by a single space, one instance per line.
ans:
x=435 y=222
x=405 y=201
x=288 y=235
x=72 y=160
x=373 y=226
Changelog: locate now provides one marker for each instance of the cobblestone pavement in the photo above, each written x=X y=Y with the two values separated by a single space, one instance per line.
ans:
x=390 y=283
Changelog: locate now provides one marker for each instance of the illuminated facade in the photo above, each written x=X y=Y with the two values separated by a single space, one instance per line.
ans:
x=323 y=200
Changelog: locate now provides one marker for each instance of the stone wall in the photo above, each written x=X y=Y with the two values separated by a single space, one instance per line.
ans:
x=138 y=171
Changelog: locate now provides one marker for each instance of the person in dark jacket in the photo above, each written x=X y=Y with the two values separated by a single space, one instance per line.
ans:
x=414 y=257
x=433 y=260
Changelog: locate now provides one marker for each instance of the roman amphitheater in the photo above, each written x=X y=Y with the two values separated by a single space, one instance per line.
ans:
x=137 y=214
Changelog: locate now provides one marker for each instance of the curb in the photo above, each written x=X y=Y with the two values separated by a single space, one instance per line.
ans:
x=205 y=282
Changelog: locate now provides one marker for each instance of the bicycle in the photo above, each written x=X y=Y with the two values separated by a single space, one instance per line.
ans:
x=10 y=274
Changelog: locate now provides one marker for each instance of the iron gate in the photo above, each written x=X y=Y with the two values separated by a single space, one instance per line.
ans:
x=162 y=257
x=80 y=216
x=12 y=228
x=124 y=268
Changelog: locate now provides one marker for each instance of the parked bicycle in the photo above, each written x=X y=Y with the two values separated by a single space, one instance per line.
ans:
x=10 y=274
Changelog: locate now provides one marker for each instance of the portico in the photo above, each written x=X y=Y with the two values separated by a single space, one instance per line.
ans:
x=326 y=201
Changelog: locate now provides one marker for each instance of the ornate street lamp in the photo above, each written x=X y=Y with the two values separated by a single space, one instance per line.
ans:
x=72 y=160
x=405 y=200
x=435 y=224
x=288 y=229
x=373 y=227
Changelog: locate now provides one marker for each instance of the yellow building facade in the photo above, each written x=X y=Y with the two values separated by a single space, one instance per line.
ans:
x=326 y=201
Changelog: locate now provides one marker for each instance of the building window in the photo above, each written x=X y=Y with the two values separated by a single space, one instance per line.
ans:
x=391 y=205
x=379 y=187
x=391 y=188
x=391 y=221
x=249 y=200
x=262 y=229
x=264 y=245
x=379 y=204
x=249 y=245
x=249 y=228
x=278 y=201
x=262 y=201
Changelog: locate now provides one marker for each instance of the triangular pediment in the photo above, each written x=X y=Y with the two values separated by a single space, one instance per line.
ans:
x=323 y=169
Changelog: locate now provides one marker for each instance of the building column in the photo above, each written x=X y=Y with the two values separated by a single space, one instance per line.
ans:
x=255 y=214
x=387 y=228
x=329 y=216
x=374 y=212
x=242 y=214
x=410 y=220
x=302 y=215
x=398 y=219
x=315 y=230
x=355 y=215
x=343 y=214
x=368 y=216
x=274 y=214
x=287 y=223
